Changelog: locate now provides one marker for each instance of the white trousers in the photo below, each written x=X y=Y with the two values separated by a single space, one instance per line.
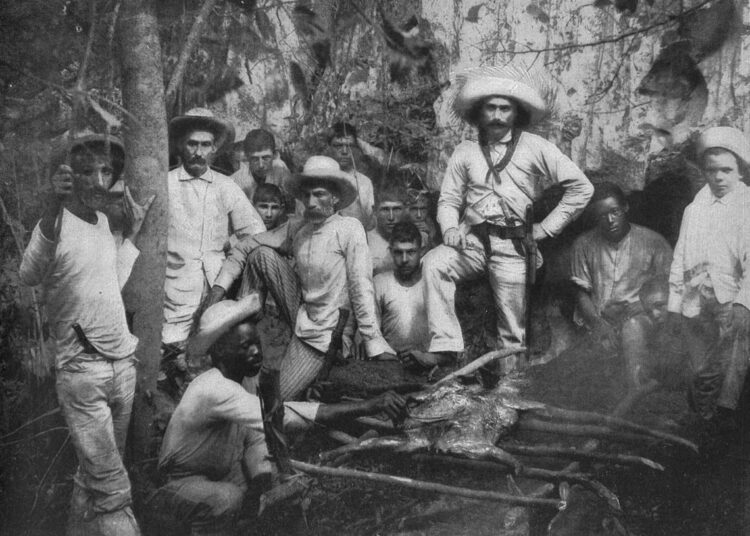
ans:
x=444 y=266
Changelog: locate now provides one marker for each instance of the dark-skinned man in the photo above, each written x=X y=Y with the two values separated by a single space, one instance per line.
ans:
x=82 y=270
x=487 y=188
x=214 y=446
x=609 y=265
x=709 y=298
x=389 y=210
x=332 y=269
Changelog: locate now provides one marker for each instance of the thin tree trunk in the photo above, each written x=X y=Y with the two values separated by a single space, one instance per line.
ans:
x=146 y=162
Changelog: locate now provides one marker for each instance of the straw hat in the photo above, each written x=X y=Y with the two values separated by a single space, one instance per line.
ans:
x=219 y=319
x=324 y=168
x=728 y=138
x=530 y=90
x=200 y=119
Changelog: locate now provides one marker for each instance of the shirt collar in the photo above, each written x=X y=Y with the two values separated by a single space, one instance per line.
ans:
x=728 y=198
x=208 y=176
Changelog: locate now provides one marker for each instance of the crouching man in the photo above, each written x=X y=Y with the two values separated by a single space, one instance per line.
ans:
x=82 y=269
x=214 y=445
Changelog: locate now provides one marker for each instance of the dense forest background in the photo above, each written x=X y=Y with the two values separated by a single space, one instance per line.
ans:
x=639 y=78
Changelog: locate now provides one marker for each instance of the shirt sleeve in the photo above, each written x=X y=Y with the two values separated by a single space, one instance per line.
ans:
x=127 y=254
x=244 y=218
x=361 y=292
x=577 y=189
x=580 y=271
x=38 y=257
x=452 y=191
x=743 y=296
x=677 y=268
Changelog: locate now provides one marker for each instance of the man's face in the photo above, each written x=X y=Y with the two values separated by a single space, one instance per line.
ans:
x=389 y=213
x=320 y=203
x=93 y=176
x=242 y=353
x=260 y=163
x=497 y=114
x=418 y=212
x=198 y=151
x=722 y=173
x=611 y=219
x=406 y=257
x=342 y=150
x=655 y=305
x=270 y=211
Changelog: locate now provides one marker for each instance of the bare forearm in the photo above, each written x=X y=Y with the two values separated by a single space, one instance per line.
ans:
x=328 y=413
x=586 y=308
x=49 y=217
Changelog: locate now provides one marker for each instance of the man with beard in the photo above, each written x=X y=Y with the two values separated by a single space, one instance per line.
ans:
x=214 y=449
x=483 y=203
x=205 y=207
x=609 y=265
x=332 y=269
x=399 y=300
x=389 y=211
x=73 y=254
x=344 y=148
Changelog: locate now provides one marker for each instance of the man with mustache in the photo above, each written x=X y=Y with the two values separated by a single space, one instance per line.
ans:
x=82 y=269
x=205 y=207
x=332 y=269
x=483 y=203
x=609 y=266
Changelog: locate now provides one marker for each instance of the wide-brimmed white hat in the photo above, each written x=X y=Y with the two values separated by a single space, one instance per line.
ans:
x=528 y=88
x=200 y=119
x=219 y=319
x=729 y=138
x=324 y=168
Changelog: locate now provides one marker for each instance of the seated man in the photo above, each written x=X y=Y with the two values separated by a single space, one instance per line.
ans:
x=609 y=264
x=399 y=300
x=709 y=297
x=332 y=270
x=214 y=444
x=343 y=145
x=389 y=210
x=268 y=200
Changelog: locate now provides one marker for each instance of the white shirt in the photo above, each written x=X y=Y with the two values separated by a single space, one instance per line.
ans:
x=402 y=313
x=203 y=213
x=363 y=208
x=82 y=276
x=382 y=260
x=712 y=251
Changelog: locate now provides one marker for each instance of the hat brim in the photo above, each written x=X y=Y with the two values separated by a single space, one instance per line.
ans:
x=199 y=344
x=477 y=89
x=223 y=131
x=344 y=183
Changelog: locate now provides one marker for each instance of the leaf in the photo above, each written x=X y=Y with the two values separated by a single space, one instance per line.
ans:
x=473 y=14
x=264 y=25
x=537 y=12
x=113 y=123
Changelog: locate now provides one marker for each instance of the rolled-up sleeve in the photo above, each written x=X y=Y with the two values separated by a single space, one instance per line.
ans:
x=580 y=271
x=452 y=192
x=361 y=291
x=37 y=258
x=577 y=189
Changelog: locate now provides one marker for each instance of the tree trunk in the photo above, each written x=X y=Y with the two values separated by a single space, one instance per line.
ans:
x=146 y=164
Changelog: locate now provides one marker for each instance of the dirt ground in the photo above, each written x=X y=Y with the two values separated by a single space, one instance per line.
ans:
x=694 y=496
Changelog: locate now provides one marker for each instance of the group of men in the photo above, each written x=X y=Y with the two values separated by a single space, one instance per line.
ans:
x=343 y=246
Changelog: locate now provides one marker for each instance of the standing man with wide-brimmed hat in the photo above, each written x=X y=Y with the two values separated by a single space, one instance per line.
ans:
x=709 y=287
x=82 y=269
x=205 y=207
x=487 y=189
x=332 y=270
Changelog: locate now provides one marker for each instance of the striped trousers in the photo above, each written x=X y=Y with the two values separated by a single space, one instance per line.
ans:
x=267 y=272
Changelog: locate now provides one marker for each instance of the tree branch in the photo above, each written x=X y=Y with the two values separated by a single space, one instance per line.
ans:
x=615 y=38
x=187 y=50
